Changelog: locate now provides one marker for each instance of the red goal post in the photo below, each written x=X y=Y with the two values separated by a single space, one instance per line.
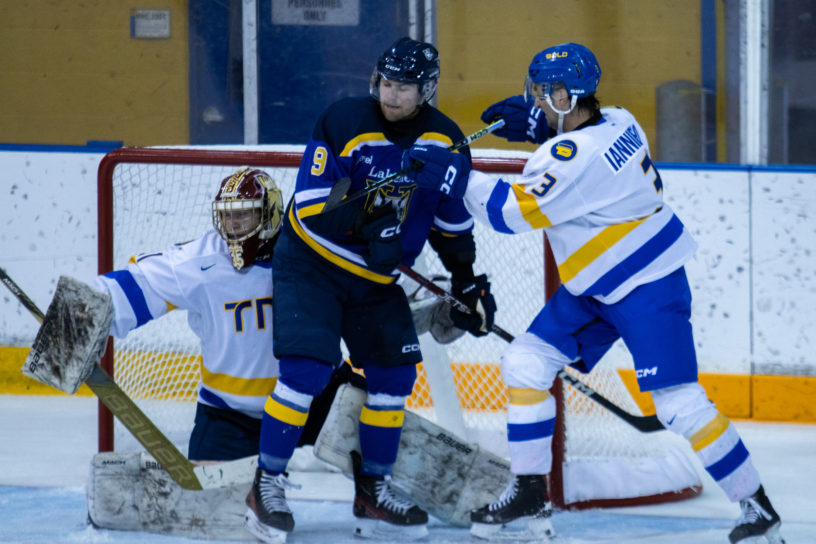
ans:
x=150 y=198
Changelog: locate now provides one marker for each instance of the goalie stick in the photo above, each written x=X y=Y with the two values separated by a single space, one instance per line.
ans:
x=180 y=469
x=341 y=186
x=645 y=424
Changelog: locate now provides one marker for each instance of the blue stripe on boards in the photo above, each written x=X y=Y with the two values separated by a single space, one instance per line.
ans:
x=638 y=260
x=133 y=293
x=729 y=463
x=520 y=432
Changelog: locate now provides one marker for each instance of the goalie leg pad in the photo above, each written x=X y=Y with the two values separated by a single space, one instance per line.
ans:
x=72 y=337
x=131 y=492
x=441 y=473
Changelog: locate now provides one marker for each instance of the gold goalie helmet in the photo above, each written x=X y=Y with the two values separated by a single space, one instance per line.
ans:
x=247 y=213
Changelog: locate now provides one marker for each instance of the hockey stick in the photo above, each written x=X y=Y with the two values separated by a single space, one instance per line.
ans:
x=341 y=186
x=181 y=470
x=646 y=424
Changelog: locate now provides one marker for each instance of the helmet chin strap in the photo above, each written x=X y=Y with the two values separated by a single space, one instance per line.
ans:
x=561 y=113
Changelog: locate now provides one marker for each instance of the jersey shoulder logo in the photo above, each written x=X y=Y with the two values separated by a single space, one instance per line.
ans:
x=203 y=268
x=564 y=150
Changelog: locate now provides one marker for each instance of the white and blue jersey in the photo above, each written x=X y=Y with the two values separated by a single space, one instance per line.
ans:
x=229 y=310
x=598 y=196
x=620 y=252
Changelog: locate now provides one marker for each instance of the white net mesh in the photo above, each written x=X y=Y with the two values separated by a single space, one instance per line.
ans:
x=156 y=205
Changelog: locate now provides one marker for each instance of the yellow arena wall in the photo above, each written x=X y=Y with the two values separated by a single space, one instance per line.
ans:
x=72 y=72
x=486 y=47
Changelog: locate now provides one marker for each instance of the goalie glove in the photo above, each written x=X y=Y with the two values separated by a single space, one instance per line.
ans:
x=432 y=314
x=442 y=328
x=523 y=122
x=475 y=294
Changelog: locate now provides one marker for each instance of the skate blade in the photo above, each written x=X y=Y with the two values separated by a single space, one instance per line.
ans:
x=262 y=532
x=376 y=528
x=520 y=530
x=772 y=536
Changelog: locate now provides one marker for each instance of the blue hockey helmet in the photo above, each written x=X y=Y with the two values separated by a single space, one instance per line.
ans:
x=408 y=61
x=570 y=64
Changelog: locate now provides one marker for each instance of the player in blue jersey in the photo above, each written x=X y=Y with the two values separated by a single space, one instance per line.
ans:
x=335 y=275
x=620 y=251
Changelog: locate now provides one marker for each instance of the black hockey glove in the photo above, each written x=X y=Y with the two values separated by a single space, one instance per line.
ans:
x=384 y=247
x=523 y=122
x=476 y=295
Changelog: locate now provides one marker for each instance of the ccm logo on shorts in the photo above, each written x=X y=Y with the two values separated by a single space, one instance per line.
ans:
x=408 y=348
x=643 y=373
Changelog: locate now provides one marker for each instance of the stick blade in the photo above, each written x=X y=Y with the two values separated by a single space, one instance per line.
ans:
x=337 y=193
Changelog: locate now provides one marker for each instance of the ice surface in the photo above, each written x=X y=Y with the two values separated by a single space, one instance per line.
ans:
x=46 y=444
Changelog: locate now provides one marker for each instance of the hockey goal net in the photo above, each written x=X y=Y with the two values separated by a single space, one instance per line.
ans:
x=150 y=198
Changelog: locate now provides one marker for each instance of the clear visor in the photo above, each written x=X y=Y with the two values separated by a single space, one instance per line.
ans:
x=237 y=220
x=540 y=90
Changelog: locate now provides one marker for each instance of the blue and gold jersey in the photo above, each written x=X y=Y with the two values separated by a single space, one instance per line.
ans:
x=352 y=139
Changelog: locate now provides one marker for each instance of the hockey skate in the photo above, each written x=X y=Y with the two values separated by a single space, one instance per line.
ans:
x=380 y=513
x=268 y=516
x=525 y=499
x=758 y=519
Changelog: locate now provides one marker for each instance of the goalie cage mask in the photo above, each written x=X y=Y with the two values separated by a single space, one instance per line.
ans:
x=570 y=64
x=408 y=61
x=247 y=211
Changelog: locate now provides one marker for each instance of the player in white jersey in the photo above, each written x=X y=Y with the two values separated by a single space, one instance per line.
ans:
x=620 y=252
x=224 y=280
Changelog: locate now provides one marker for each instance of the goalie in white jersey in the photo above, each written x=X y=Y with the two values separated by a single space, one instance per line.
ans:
x=620 y=252
x=224 y=280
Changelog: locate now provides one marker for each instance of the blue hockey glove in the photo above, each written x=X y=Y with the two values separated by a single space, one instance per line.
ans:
x=476 y=295
x=523 y=122
x=442 y=170
x=384 y=247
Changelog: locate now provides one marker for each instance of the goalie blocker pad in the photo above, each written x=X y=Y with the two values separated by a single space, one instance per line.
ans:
x=440 y=472
x=72 y=337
